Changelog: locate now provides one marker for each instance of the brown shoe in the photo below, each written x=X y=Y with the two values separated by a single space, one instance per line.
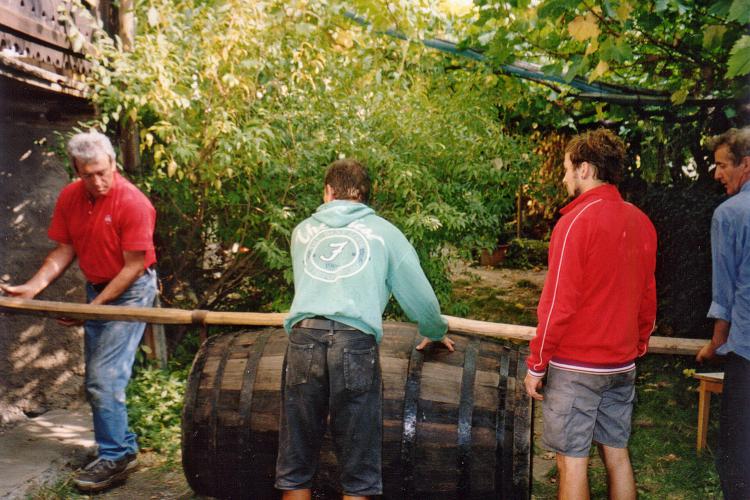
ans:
x=102 y=473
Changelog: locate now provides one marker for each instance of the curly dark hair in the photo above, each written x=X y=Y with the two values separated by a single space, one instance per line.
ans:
x=603 y=149
x=349 y=180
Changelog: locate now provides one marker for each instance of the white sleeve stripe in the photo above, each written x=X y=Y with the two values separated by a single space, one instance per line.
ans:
x=557 y=282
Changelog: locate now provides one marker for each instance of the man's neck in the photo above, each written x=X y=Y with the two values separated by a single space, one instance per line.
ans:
x=744 y=180
x=589 y=185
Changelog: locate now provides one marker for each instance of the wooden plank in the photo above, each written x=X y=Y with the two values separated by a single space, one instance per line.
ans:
x=159 y=339
x=485 y=389
x=167 y=316
x=675 y=345
x=39 y=77
x=10 y=18
x=711 y=377
x=489 y=329
x=268 y=377
x=440 y=382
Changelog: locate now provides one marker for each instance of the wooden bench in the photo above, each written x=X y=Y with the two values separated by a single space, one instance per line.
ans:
x=709 y=383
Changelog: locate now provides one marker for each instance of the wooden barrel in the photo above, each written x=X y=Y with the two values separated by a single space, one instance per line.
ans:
x=455 y=425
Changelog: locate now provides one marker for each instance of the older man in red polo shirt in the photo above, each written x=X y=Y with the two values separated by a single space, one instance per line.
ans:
x=108 y=224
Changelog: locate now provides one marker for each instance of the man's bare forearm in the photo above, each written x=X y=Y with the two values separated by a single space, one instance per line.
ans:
x=56 y=262
x=719 y=338
x=131 y=271
x=721 y=333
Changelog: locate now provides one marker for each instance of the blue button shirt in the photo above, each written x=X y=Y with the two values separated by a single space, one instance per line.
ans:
x=730 y=254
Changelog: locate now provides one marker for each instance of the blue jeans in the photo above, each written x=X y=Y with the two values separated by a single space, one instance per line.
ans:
x=336 y=375
x=109 y=352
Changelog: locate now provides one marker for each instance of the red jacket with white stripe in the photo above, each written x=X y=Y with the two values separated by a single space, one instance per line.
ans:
x=598 y=306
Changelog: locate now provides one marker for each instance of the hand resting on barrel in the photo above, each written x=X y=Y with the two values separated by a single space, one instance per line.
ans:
x=533 y=384
x=446 y=341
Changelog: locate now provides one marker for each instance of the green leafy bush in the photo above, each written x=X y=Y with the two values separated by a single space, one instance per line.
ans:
x=241 y=106
x=155 y=399
x=526 y=254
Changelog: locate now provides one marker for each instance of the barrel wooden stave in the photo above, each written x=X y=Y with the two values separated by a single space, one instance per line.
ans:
x=466 y=435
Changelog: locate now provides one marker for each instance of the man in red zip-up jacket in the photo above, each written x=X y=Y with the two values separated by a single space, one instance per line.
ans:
x=595 y=316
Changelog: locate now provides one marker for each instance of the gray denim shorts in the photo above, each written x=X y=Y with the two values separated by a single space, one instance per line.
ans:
x=581 y=407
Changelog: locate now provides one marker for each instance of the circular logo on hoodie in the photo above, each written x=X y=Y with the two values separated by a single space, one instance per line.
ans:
x=336 y=253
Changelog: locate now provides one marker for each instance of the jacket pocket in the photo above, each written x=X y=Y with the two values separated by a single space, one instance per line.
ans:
x=359 y=368
x=298 y=362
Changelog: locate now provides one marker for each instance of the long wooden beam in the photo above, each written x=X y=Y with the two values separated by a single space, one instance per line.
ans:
x=657 y=344
x=663 y=345
x=165 y=316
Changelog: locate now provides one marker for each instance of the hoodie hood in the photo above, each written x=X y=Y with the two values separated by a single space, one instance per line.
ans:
x=340 y=213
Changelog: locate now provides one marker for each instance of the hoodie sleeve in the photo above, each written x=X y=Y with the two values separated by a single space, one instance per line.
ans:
x=560 y=297
x=415 y=295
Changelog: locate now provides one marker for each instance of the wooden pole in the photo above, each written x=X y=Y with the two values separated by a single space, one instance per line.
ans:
x=159 y=339
x=659 y=345
x=129 y=146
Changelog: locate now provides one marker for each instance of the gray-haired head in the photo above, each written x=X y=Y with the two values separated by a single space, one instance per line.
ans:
x=87 y=147
x=737 y=139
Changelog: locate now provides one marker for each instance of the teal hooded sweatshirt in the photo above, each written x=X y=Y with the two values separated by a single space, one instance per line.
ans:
x=347 y=261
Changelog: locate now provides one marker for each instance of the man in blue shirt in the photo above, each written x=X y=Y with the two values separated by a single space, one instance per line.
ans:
x=730 y=308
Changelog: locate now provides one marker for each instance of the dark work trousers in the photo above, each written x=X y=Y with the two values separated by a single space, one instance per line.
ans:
x=332 y=374
x=733 y=459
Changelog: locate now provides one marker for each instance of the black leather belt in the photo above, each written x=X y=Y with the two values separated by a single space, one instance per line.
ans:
x=101 y=286
x=324 y=324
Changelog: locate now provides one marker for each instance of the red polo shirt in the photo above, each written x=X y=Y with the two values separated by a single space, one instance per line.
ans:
x=101 y=229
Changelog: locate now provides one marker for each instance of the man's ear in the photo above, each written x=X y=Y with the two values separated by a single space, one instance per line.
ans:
x=328 y=194
x=745 y=167
x=584 y=170
x=588 y=170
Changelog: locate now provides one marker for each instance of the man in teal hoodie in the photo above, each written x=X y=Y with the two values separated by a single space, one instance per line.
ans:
x=347 y=261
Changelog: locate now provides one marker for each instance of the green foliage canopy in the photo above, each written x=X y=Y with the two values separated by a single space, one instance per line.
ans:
x=678 y=69
x=240 y=107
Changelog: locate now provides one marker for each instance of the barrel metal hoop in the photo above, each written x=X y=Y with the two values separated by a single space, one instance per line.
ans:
x=216 y=393
x=465 y=414
x=523 y=427
x=500 y=417
x=409 y=429
x=510 y=426
x=246 y=394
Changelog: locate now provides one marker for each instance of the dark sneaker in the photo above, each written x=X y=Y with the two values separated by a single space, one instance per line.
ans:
x=102 y=473
x=132 y=459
